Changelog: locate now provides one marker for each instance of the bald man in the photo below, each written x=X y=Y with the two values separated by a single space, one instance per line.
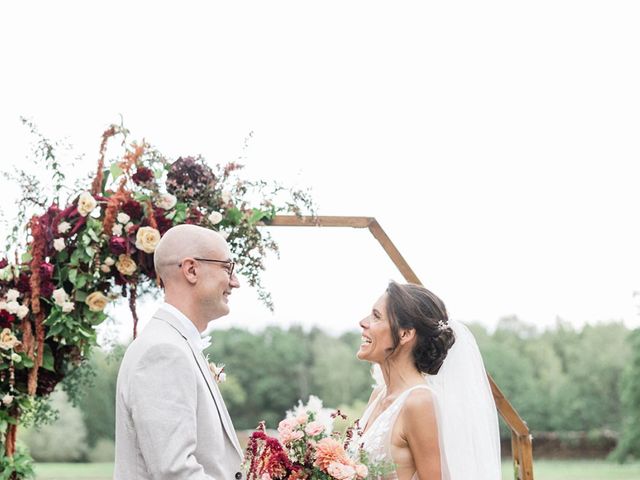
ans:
x=171 y=421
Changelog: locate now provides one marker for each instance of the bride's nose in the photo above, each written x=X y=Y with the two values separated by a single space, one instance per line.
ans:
x=364 y=323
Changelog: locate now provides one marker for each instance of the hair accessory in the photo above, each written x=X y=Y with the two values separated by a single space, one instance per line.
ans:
x=441 y=325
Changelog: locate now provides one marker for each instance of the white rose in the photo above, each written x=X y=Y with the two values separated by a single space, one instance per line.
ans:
x=12 y=307
x=58 y=244
x=166 y=201
x=12 y=295
x=147 y=238
x=3 y=305
x=68 y=307
x=226 y=196
x=109 y=261
x=59 y=296
x=128 y=227
x=123 y=218
x=86 y=204
x=64 y=227
x=215 y=217
x=117 y=230
x=7 y=400
x=22 y=311
x=16 y=358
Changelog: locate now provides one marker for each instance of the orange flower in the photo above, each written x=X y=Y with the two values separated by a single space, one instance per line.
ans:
x=329 y=450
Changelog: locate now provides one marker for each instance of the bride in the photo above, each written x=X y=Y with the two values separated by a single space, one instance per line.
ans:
x=432 y=414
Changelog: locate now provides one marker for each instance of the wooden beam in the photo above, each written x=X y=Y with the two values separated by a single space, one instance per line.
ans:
x=321 y=221
x=522 y=448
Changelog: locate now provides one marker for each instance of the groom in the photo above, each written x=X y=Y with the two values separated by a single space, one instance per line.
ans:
x=171 y=421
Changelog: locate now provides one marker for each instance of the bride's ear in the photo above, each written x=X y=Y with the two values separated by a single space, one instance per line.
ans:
x=407 y=335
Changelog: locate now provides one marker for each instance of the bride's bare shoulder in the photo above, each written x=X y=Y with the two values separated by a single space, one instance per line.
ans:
x=419 y=406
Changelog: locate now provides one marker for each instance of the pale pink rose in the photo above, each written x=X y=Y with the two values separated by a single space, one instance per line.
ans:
x=265 y=476
x=341 y=471
x=117 y=230
x=105 y=268
x=166 y=201
x=314 y=428
x=109 y=261
x=67 y=307
x=362 y=471
x=7 y=400
x=290 y=436
x=302 y=418
x=59 y=296
x=226 y=196
x=287 y=424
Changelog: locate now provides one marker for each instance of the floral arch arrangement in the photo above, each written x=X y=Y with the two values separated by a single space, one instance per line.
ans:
x=98 y=247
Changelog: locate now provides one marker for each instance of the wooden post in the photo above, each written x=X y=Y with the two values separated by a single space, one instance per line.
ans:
x=521 y=445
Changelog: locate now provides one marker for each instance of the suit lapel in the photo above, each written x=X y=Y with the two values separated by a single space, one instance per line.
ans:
x=203 y=367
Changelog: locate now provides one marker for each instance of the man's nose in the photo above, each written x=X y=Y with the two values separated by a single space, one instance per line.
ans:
x=233 y=281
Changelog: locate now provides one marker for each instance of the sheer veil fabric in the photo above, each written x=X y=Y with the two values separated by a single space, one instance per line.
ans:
x=465 y=410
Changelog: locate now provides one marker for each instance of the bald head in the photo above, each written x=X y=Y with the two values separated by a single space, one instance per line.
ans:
x=186 y=241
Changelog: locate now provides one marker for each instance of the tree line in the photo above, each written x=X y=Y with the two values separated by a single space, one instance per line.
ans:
x=560 y=379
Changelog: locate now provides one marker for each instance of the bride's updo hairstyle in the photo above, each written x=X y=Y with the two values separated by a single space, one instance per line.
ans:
x=413 y=306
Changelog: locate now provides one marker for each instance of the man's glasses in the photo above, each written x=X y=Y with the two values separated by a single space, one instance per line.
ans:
x=229 y=263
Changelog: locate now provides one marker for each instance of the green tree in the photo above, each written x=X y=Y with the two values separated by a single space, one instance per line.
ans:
x=629 y=445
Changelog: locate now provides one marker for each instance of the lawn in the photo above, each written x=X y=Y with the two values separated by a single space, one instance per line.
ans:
x=543 y=470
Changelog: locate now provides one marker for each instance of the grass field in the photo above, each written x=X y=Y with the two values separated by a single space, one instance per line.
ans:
x=543 y=470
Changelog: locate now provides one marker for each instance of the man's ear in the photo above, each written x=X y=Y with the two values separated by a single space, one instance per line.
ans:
x=189 y=270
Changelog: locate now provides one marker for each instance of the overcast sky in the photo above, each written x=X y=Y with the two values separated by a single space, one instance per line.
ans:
x=497 y=143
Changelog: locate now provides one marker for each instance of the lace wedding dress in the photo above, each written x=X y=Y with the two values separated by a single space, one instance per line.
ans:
x=377 y=438
x=465 y=411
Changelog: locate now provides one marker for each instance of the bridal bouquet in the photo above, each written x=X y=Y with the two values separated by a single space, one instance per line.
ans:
x=307 y=449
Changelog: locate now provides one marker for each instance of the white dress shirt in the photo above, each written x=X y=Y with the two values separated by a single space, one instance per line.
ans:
x=190 y=328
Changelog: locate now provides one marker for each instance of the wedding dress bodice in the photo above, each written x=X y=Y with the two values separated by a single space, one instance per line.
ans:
x=376 y=440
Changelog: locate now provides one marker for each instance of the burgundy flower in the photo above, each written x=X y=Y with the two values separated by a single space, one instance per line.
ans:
x=163 y=222
x=118 y=245
x=133 y=209
x=6 y=319
x=23 y=285
x=46 y=271
x=3 y=262
x=142 y=175
x=46 y=288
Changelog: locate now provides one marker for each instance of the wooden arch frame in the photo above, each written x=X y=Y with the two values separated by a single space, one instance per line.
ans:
x=521 y=445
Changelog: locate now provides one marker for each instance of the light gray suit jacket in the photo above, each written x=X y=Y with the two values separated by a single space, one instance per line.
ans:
x=171 y=421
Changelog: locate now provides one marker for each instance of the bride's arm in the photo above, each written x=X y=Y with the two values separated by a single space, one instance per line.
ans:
x=420 y=429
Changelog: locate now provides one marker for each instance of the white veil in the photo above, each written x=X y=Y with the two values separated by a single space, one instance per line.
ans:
x=466 y=411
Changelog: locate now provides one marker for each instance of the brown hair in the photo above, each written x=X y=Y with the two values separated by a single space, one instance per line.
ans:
x=412 y=306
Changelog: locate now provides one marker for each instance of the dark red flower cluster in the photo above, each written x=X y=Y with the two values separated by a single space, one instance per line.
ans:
x=266 y=455
x=3 y=262
x=133 y=209
x=46 y=284
x=190 y=179
x=163 y=222
x=143 y=175
x=6 y=319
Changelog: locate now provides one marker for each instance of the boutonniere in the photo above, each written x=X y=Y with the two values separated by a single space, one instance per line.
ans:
x=218 y=372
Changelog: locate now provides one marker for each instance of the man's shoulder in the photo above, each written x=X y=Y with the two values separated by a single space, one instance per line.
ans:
x=156 y=336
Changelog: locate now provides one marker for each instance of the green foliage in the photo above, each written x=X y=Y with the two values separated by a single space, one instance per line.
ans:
x=629 y=446
x=45 y=443
x=21 y=464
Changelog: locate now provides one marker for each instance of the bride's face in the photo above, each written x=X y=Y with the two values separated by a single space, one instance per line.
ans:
x=376 y=333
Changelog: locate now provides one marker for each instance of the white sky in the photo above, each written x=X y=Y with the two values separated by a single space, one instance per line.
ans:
x=496 y=142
